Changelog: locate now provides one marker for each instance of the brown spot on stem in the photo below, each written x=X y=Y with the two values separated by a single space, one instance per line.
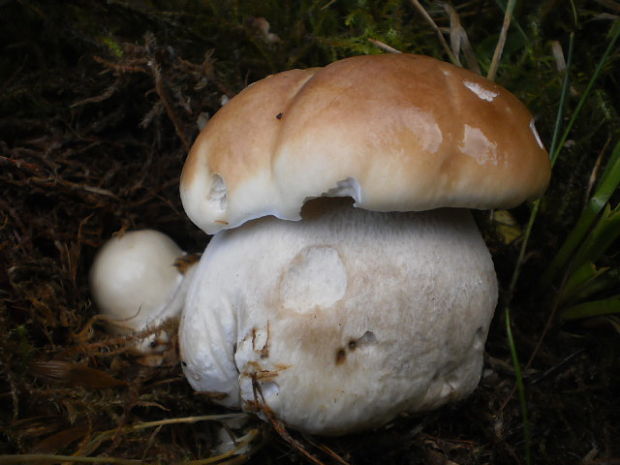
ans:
x=185 y=262
x=264 y=350
x=341 y=356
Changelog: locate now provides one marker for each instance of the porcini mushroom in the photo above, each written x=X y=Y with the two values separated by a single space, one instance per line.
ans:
x=135 y=284
x=341 y=321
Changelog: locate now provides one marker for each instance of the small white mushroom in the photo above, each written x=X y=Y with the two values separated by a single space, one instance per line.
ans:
x=135 y=284
x=341 y=321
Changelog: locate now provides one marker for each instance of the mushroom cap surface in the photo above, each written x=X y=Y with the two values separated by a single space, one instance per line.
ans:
x=355 y=317
x=134 y=280
x=395 y=132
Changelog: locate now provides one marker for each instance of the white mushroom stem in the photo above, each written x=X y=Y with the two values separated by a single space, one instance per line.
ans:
x=342 y=321
x=136 y=285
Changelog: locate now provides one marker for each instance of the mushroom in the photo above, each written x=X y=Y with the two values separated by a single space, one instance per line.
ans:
x=136 y=286
x=372 y=305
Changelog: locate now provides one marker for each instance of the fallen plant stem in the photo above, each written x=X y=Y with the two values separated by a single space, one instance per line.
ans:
x=232 y=457
x=174 y=421
x=280 y=428
x=106 y=435
x=228 y=458
x=555 y=368
x=23 y=459
x=328 y=451
x=236 y=460
x=383 y=46
x=161 y=91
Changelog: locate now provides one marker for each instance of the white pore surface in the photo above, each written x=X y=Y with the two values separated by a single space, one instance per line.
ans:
x=134 y=281
x=340 y=323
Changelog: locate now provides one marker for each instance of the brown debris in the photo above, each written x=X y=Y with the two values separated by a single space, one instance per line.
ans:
x=70 y=179
x=73 y=374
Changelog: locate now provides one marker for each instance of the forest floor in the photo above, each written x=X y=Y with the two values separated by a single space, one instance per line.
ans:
x=100 y=103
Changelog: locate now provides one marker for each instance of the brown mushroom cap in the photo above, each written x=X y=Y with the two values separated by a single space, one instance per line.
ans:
x=396 y=132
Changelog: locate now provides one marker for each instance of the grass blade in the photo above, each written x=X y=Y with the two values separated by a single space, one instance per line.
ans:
x=582 y=282
x=563 y=93
x=536 y=204
x=502 y=5
x=615 y=33
x=520 y=387
x=606 y=231
x=607 y=185
x=517 y=270
x=453 y=59
x=605 y=280
x=591 y=309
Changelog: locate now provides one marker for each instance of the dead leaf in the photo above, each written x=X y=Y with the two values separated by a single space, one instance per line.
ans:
x=75 y=374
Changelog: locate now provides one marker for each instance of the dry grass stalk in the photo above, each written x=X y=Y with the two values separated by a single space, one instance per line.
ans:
x=501 y=42
x=453 y=58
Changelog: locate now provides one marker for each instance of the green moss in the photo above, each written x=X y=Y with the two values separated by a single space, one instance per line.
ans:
x=113 y=46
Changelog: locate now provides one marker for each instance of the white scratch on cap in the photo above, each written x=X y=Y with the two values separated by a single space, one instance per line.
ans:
x=535 y=132
x=481 y=92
